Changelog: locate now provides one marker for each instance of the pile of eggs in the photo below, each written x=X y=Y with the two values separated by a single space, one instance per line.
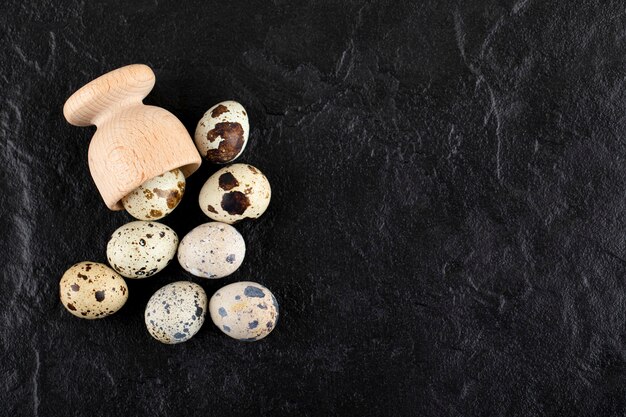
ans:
x=140 y=249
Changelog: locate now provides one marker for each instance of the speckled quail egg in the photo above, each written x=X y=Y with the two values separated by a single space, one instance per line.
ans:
x=234 y=193
x=212 y=250
x=157 y=197
x=175 y=312
x=244 y=311
x=222 y=133
x=91 y=290
x=141 y=249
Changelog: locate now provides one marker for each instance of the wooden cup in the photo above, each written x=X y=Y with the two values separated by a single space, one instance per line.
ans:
x=133 y=142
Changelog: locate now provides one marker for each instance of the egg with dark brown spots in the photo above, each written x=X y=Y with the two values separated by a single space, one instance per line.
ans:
x=234 y=193
x=141 y=249
x=157 y=197
x=245 y=311
x=91 y=290
x=212 y=250
x=176 y=312
x=222 y=132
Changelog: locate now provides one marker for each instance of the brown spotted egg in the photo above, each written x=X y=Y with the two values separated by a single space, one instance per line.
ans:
x=157 y=197
x=245 y=311
x=212 y=250
x=91 y=290
x=234 y=193
x=222 y=133
x=141 y=249
x=176 y=312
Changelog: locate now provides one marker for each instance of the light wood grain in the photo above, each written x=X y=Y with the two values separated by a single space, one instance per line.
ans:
x=133 y=142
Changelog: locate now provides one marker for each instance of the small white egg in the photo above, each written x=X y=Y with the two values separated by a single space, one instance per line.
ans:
x=141 y=249
x=212 y=250
x=91 y=290
x=245 y=311
x=234 y=193
x=175 y=313
x=222 y=133
x=157 y=197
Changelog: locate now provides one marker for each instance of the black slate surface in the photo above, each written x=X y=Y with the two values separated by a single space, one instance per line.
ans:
x=446 y=234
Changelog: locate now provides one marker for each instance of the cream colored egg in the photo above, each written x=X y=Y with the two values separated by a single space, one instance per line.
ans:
x=222 y=133
x=141 y=249
x=157 y=197
x=234 y=193
x=176 y=312
x=212 y=250
x=91 y=290
x=245 y=310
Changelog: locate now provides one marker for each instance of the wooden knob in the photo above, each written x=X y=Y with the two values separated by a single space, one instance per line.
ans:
x=133 y=142
x=105 y=94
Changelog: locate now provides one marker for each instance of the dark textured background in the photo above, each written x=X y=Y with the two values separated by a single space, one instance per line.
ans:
x=446 y=234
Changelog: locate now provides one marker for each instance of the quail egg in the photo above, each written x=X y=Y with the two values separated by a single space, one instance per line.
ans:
x=245 y=311
x=222 y=133
x=234 y=193
x=176 y=312
x=141 y=249
x=91 y=290
x=157 y=197
x=212 y=250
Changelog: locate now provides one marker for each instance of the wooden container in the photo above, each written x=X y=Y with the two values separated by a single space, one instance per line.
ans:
x=133 y=142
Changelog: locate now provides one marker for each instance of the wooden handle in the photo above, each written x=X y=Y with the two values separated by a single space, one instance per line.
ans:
x=105 y=95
